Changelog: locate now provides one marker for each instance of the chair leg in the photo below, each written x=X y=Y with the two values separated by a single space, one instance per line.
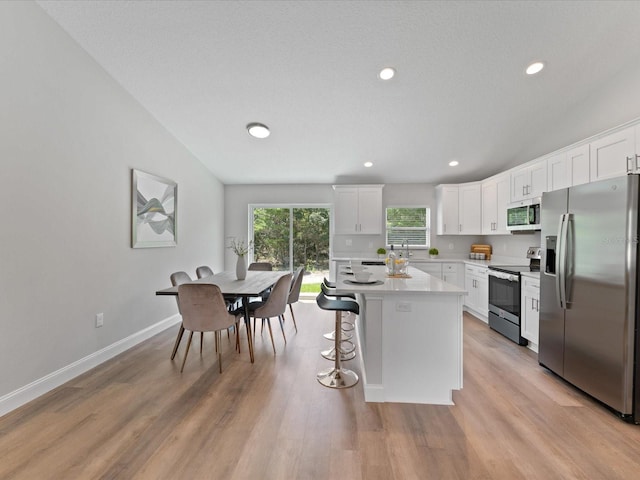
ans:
x=175 y=346
x=186 y=352
x=218 y=339
x=271 y=335
x=201 y=341
x=294 y=317
x=281 y=319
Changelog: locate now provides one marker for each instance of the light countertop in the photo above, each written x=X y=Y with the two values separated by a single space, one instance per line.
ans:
x=419 y=283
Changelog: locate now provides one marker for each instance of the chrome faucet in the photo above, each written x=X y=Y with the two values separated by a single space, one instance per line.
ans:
x=405 y=245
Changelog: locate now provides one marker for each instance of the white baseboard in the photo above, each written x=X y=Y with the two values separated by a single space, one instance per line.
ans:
x=37 y=388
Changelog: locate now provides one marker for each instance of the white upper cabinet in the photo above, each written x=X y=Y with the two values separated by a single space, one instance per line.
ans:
x=568 y=169
x=447 y=209
x=470 y=212
x=459 y=209
x=529 y=181
x=614 y=155
x=357 y=209
x=495 y=198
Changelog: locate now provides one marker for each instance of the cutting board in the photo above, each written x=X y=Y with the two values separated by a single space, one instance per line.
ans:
x=479 y=248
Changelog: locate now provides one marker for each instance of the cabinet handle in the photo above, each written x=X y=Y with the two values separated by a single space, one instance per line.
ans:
x=637 y=157
x=460 y=228
x=444 y=225
x=629 y=164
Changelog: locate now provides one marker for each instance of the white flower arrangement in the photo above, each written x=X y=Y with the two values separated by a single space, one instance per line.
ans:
x=239 y=248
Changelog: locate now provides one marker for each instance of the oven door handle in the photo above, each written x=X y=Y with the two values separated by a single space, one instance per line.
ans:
x=504 y=276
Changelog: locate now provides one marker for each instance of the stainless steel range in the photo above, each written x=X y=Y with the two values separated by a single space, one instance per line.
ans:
x=504 y=296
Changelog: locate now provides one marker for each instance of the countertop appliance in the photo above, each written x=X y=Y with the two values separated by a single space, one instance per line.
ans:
x=504 y=296
x=589 y=290
x=524 y=215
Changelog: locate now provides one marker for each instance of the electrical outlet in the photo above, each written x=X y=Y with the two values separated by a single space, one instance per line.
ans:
x=451 y=246
x=349 y=242
x=403 y=307
x=99 y=319
x=370 y=244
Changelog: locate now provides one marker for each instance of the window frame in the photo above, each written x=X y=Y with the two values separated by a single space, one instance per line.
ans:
x=426 y=228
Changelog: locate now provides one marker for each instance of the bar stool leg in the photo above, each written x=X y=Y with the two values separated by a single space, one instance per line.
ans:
x=338 y=377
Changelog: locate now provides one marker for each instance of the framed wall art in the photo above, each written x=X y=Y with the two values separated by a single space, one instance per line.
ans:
x=154 y=205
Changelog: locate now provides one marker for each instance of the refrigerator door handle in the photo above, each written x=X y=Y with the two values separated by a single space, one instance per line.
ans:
x=561 y=262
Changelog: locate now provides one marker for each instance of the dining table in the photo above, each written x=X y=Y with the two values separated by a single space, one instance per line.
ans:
x=253 y=285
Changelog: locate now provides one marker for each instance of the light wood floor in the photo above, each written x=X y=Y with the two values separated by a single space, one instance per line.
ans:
x=137 y=417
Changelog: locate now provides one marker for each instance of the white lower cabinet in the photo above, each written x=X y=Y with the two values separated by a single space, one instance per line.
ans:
x=432 y=268
x=453 y=273
x=476 y=282
x=530 y=310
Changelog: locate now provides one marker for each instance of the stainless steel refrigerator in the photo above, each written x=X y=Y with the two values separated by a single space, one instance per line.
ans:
x=589 y=290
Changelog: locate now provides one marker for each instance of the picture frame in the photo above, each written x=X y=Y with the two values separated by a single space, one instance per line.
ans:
x=154 y=207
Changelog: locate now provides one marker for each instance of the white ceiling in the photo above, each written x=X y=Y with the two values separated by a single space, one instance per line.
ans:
x=309 y=71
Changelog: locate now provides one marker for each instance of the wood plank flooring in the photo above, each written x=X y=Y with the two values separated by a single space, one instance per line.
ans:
x=137 y=417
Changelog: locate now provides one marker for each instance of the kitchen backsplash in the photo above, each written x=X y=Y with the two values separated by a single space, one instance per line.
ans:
x=512 y=245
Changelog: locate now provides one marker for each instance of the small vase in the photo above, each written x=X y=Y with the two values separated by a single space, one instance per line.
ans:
x=433 y=256
x=241 y=268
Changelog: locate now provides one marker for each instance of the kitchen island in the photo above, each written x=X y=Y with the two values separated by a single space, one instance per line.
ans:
x=410 y=336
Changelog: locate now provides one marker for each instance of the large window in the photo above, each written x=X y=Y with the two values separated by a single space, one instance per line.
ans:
x=291 y=236
x=408 y=225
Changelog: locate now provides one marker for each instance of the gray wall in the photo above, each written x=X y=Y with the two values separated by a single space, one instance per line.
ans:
x=69 y=137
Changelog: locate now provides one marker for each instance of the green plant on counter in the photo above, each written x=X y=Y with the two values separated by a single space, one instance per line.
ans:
x=381 y=251
x=433 y=251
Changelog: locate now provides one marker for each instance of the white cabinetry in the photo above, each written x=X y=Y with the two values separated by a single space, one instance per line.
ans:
x=530 y=308
x=459 y=209
x=470 y=214
x=357 y=209
x=453 y=273
x=529 y=181
x=477 y=284
x=447 y=209
x=568 y=168
x=432 y=268
x=614 y=155
x=495 y=198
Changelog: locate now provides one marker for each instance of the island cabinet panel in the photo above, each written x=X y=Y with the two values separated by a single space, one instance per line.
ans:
x=358 y=210
x=409 y=333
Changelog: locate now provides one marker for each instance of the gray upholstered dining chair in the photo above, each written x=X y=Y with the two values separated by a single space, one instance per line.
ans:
x=204 y=310
x=274 y=306
x=204 y=271
x=262 y=266
x=178 y=278
x=294 y=292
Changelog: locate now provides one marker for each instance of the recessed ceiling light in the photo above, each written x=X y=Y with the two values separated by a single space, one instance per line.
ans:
x=534 y=68
x=258 y=130
x=387 y=73
x=453 y=163
x=368 y=164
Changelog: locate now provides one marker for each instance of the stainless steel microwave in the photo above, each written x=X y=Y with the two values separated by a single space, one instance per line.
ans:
x=524 y=215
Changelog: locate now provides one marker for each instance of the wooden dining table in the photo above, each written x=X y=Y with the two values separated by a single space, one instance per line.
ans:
x=254 y=285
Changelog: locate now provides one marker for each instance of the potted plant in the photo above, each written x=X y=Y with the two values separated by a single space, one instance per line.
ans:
x=433 y=252
x=381 y=252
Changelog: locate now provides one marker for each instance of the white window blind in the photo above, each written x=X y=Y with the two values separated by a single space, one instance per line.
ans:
x=408 y=224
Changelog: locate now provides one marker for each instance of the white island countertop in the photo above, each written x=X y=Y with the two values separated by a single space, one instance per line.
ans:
x=418 y=282
x=409 y=334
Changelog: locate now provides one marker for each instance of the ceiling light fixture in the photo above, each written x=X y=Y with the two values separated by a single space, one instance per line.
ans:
x=386 y=73
x=534 y=68
x=368 y=164
x=453 y=163
x=258 y=130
